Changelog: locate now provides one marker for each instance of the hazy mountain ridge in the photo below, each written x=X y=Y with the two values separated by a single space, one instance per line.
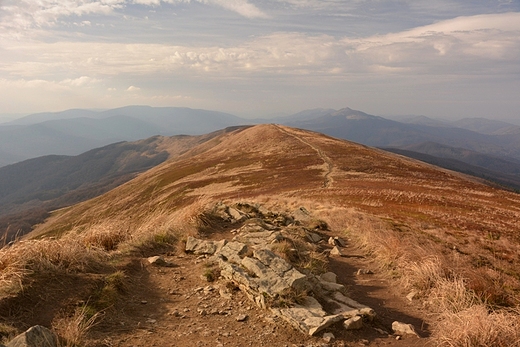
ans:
x=508 y=181
x=30 y=189
x=75 y=131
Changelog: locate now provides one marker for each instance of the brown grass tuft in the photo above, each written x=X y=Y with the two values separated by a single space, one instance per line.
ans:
x=72 y=330
x=478 y=327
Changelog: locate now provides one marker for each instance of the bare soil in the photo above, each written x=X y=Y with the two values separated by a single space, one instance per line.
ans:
x=177 y=306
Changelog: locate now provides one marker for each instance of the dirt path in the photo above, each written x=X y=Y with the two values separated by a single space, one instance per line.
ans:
x=326 y=160
x=177 y=306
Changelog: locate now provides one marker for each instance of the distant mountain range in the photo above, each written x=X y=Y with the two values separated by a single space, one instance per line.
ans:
x=484 y=148
x=29 y=190
x=75 y=131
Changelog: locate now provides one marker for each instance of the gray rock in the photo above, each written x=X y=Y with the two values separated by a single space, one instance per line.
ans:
x=157 y=260
x=302 y=214
x=329 y=277
x=331 y=286
x=268 y=258
x=233 y=251
x=400 y=328
x=36 y=336
x=203 y=247
x=339 y=242
x=354 y=323
x=309 y=318
x=313 y=237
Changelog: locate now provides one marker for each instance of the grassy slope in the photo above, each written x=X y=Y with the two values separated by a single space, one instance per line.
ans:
x=426 y=225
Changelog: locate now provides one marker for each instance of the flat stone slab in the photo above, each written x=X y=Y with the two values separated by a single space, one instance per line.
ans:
x=199 y=247
x=309 y=318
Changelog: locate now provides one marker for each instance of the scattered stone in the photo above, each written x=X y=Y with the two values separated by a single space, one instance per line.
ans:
x=327 y=337
x=364 y=272
x=336 y=241
x=354 y=323
x=403 y=329
x=336 y=252
x=242 y=317
x=36 y=336
x=157 y=261
x=144 y=302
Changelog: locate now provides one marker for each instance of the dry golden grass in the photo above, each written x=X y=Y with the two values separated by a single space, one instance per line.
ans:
x=464 y=317
x=478 y=327
x=72 y=330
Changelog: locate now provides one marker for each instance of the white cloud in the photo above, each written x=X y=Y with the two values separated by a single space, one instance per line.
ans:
x=449 y=46
x=133 y=89
x=480 y=43
x=19 y=15
x=80 y=81
x=242 y=7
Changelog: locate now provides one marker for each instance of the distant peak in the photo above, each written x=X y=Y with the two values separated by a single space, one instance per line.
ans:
x=351 y=114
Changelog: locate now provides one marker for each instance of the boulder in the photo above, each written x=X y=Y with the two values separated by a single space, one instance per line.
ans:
x=36 y=336
x=268 y=258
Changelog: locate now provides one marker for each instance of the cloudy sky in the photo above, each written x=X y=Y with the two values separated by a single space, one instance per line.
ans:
x=256 y=58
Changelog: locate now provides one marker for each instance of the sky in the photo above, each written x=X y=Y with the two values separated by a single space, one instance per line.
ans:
x=259 y=58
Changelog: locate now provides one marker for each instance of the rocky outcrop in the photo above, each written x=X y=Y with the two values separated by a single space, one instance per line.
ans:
x=37 y=336
x=270 y=281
